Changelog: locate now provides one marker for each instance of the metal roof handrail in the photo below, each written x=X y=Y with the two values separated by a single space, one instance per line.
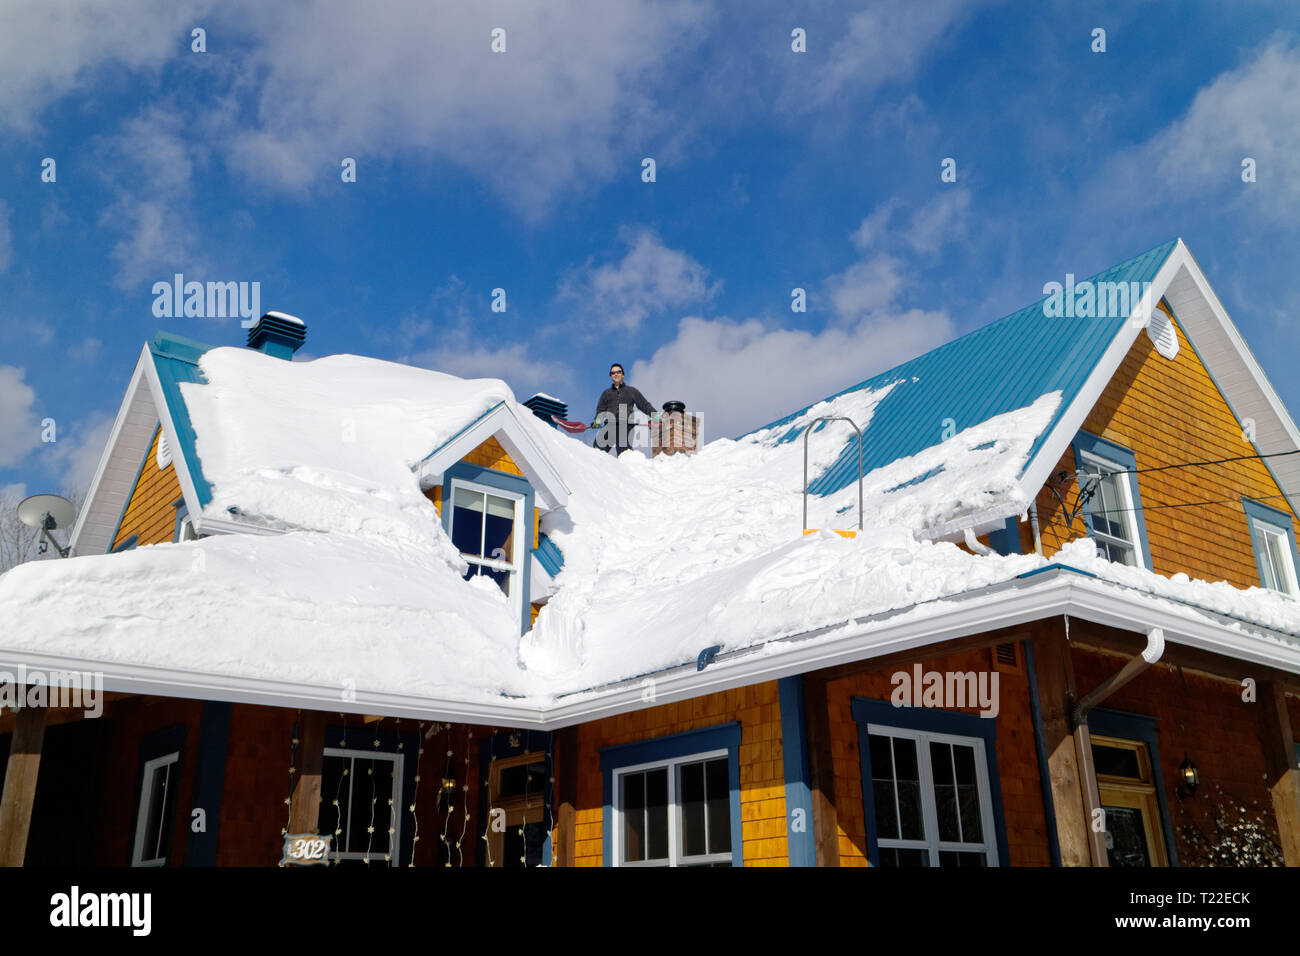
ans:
x=830 y=418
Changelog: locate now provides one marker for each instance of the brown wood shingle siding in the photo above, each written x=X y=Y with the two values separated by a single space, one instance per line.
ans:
x=1170 y=412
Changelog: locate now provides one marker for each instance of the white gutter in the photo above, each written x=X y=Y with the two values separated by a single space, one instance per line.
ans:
x=1044 y=595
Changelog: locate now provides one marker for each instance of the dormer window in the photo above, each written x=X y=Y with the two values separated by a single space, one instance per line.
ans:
x=1273 y=538
x=1113 y=511
x=486 y=527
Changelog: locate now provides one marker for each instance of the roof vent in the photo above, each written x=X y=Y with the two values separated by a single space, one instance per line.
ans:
x=278 y=334
x=544 y=406
x=1162 y=333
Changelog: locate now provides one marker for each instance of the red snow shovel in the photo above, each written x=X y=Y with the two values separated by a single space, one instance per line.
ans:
x=573 y=428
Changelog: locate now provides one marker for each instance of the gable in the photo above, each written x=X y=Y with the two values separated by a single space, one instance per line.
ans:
x=150 y=512
x=1169 y=412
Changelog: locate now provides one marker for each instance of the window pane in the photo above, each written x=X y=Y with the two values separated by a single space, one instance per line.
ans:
x=372 y=786
x=908 y=778
x=157 y=825
x=1124 y=826
x=656 y=787
x=523 y=849
x=467 y=521
x=896 y=856
x=945 y=792
x=1116 y=761
x=1277 y=559
x=692 y=783
x=520 y=780
x=499 y=540
x=968 y=797
x=718 y=781
x=633 y=800
x=961 y=858
x=882 y=786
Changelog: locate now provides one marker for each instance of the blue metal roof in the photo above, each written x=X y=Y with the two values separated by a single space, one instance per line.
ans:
x=550 y=557
x=176 y=359
x=999 y=368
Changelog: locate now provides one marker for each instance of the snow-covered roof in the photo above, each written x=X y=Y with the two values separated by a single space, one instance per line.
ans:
x=355 y=588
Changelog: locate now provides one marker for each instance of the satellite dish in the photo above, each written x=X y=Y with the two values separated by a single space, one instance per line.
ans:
x=47 y=512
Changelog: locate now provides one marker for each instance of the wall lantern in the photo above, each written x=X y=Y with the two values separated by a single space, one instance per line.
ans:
x=1191 y=779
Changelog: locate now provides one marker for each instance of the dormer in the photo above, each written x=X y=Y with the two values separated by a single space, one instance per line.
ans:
x=491 y=483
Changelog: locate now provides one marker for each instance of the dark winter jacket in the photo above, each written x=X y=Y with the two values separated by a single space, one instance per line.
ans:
x=625 y=396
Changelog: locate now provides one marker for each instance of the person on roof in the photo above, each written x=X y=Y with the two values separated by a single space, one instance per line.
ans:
x=614 y=413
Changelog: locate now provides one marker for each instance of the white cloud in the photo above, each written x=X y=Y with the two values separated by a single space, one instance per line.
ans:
x=50 y=48
x=886 y=41
x=554 y=114
x=19 y=428
x=6 y=237
x=648 y=280
x=740 y=375
x=75 y=455
x=86 y=350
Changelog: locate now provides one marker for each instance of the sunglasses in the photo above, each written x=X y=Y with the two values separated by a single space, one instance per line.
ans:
x=616 y=371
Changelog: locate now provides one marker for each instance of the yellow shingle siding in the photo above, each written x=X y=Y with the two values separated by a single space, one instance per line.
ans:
x=490 y=454
x=1171 y=412
x=762 y=777
x=151 y=510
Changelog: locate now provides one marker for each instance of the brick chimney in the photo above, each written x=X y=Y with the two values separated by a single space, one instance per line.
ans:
x=677 y=432
x=278 y=334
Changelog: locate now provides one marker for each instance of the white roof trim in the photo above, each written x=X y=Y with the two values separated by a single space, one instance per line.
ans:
x=1047 y=595
x=502 y=423
x=119 y=465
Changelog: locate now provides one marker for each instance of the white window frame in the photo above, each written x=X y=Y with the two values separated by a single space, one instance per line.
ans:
x=184 y=525
x=145 y=809
x=395 y=841
x=1265 y=528
x=929 y=810
x=515 y=567
x=675 y=857
x=1090 y=461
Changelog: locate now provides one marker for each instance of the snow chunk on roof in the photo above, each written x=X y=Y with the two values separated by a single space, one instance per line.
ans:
x=326 y=445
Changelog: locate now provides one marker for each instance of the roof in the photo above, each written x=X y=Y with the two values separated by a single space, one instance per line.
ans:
x=993 y=370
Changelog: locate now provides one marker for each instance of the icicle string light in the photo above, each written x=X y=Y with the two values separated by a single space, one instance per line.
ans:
x=415 y=791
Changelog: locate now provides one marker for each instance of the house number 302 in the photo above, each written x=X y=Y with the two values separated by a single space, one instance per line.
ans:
x=305 y=849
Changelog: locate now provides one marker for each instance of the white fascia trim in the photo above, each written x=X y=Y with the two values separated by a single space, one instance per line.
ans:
x=188 y=491
x=123 y=413
x=1052 y=593
x=210 y=525
x=501 y=422
x=1239 y=344
x=1035 y=475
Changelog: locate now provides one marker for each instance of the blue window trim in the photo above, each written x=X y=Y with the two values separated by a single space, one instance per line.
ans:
x=1139 y=727
x=885 y=714
x=498 y=746
x=209 y=780
x=720 y=737
x=336 y=738
x=506 y=482
x=1275 y=518
x=798 y=780
x=1088 y=443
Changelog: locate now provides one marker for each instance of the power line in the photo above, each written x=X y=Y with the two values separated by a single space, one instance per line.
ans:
x=1184 y=504
x=1196 y=464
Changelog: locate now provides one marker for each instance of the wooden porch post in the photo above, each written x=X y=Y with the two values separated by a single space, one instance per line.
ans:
x=304 y=806
x=1283 y=778
x=566 y=794
x=20 y=784
x=821 y=771
x=1056 y=692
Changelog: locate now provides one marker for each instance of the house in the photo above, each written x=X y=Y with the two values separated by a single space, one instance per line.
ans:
x=1034 y=603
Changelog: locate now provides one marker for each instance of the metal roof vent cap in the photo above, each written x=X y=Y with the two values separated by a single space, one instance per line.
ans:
x=278 y=334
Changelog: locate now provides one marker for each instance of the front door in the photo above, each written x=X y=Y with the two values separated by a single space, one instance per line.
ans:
x=1134 y=835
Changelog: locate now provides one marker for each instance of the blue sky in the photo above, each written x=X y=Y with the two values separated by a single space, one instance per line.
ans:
x=522 y=170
